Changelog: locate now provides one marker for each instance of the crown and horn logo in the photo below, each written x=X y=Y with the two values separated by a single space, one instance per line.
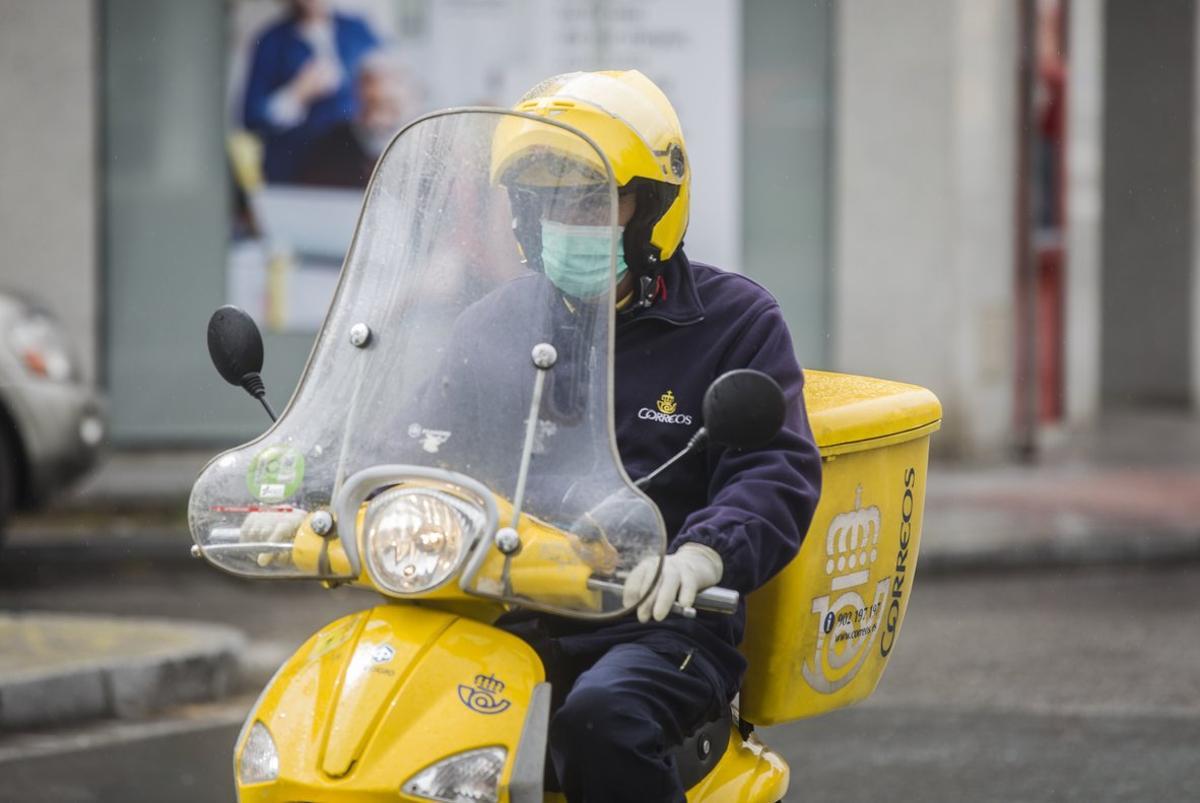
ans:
x=666 y=403
x=484 y=697
x=851 y=544
x=847 y=625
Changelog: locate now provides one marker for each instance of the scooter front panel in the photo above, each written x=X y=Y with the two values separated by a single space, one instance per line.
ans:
x=378 y=696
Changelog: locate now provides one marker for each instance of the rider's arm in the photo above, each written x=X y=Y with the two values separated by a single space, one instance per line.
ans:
x=760 y=501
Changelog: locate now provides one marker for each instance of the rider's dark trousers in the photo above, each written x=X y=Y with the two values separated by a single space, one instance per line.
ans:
x=618 y=709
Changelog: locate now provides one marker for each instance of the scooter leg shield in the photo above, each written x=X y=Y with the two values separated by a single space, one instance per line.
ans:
x=376 y=698
x=748 y=772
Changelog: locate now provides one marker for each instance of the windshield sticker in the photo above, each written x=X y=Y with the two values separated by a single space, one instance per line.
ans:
x=484 y=697
x=275 y=473
x=545 y=430
x=431 y=439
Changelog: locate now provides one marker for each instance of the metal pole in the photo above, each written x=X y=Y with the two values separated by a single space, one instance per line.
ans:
x=1027 y=362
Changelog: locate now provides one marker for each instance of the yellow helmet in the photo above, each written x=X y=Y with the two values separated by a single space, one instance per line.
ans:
x=633 y=123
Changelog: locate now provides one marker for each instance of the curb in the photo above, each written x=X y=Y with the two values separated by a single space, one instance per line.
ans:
x=199 y=663
x=1148 y=548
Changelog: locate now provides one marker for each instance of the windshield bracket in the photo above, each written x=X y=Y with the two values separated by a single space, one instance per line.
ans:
x=544 y=356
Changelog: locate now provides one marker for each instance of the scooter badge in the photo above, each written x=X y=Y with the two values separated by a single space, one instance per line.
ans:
x=382 y=654
x=484 y=696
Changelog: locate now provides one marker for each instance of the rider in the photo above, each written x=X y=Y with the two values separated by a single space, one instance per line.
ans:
x=627 y=690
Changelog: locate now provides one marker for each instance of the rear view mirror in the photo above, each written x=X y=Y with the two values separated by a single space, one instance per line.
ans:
x=236 y=348
x=743 y=409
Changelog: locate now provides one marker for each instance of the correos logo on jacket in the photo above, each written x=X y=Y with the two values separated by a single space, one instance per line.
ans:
x=665 y=412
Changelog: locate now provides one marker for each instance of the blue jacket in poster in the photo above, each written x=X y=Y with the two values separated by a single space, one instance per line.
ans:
x=279 y=54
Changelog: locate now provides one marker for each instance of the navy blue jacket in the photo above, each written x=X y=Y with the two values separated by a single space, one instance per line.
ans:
x=753 y=507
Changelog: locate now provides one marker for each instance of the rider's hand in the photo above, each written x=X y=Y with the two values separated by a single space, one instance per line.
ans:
x=274 y=527
x=600 y=530
x=685 y=573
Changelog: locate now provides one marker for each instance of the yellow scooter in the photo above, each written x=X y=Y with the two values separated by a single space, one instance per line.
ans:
x=460 y=476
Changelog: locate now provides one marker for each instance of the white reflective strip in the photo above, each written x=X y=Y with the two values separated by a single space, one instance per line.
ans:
x=848 y=580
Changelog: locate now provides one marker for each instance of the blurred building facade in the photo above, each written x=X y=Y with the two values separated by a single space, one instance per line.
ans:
x=994 y=199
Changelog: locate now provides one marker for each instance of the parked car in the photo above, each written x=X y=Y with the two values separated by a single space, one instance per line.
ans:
x=52 y=424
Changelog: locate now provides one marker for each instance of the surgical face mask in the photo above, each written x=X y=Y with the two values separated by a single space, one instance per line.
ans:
x=576 y=258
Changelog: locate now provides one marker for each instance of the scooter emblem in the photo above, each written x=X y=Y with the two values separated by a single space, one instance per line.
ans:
x=382 y=654
x=484 y=696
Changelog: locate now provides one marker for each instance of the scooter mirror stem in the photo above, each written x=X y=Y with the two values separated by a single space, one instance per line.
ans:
x=698 y=442
x=253 y=384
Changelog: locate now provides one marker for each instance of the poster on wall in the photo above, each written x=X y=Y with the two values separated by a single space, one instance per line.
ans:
x=317 y=88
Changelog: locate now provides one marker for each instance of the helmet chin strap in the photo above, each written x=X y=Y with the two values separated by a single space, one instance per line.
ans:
x=642 y=256
x=647 y=283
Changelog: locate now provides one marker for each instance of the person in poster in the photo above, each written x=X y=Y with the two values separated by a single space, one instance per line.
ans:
x=346 y=154
x=300 y=83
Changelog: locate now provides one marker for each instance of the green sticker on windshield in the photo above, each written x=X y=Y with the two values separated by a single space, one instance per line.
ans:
x=275 y=473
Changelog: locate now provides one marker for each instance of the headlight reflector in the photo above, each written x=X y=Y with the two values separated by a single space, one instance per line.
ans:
x=470 y=777
x=260 y=758
x=415 y=538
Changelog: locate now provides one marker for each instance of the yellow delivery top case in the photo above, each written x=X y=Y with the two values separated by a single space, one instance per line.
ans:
x=821 y=632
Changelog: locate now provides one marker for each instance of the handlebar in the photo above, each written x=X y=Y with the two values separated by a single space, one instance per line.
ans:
x=713 y=600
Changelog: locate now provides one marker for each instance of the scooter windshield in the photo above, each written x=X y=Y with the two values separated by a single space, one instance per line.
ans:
x=469 y=344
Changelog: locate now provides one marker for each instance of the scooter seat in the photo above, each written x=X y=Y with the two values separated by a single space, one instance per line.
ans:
x=700 y=751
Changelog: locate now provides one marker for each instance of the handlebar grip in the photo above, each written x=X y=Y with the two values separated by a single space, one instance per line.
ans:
x=718 y=600
x=225 y=535
x=712 y=600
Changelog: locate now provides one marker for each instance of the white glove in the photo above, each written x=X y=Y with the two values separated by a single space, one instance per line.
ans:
x=274 y=527
x=686 y=572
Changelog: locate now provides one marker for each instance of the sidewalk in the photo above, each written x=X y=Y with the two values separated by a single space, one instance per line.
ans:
x=62 y=667
x=1129 y=491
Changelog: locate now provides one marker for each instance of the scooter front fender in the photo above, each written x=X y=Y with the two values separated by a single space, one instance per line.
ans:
x=376 y=697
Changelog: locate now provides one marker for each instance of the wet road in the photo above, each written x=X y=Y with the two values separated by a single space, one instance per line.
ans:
x=1064 y=686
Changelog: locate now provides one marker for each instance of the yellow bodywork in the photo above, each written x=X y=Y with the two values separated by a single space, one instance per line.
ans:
x=378 y=696
x=552 y=567
x=749 y=772
x=819 y=634
x=375 y=697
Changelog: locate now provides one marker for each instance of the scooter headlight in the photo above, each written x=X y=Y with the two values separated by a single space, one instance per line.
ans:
x=415 y=538
x=260 y=758
x=470 y=777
